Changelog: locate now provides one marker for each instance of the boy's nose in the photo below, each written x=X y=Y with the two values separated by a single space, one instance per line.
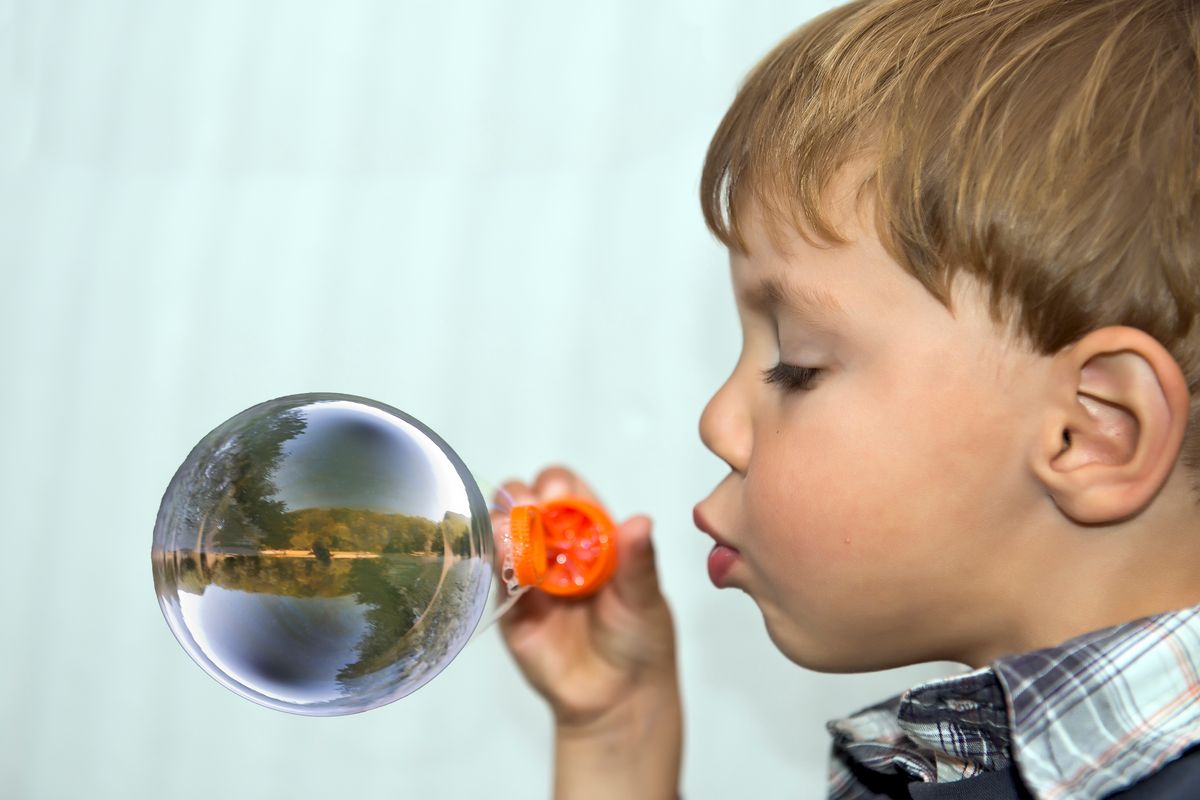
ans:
x=725 y=426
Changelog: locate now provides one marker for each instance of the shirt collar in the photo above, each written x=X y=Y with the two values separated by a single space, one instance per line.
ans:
x=1106 y=709
x=941 y=730
x=1082 y=719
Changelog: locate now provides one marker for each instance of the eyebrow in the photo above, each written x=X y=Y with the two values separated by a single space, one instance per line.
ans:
x=812 y=302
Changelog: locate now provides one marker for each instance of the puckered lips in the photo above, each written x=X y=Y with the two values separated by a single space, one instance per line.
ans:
x=723 y=555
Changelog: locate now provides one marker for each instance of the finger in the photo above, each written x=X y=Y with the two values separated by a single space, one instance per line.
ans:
x=636 y=578
x=531 y=609
x=558 y=481
x=513 y=493
x=508 y=496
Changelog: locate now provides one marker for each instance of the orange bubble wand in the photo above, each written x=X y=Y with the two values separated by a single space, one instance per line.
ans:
x=564 y=547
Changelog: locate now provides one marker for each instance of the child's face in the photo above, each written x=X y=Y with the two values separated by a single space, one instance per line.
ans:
x=876 y=514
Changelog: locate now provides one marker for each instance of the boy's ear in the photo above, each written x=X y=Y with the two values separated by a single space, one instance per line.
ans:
x=1115 y=424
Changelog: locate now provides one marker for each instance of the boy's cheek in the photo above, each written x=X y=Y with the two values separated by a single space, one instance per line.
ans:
x=803 y=526
x=823 y=492
x=834 y=539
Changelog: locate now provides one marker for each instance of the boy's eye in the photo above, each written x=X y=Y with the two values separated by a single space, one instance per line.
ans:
x=792 y=378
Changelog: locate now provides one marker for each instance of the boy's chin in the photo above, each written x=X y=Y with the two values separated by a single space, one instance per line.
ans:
x=832 y=654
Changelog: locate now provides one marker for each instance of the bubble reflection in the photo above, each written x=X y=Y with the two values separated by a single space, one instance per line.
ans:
x=322 y=554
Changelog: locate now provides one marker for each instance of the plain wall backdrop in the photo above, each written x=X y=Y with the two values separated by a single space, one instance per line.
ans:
x=483 y=213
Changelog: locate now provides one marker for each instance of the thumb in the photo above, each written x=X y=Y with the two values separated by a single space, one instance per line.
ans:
x=636 y=578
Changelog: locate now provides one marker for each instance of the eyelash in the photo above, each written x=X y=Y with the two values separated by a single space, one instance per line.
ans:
x=793 y=378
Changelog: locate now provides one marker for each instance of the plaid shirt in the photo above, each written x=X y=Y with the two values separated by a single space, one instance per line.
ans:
x=1087 y=718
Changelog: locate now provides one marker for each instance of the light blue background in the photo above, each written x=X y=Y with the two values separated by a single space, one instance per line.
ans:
x=483 y=213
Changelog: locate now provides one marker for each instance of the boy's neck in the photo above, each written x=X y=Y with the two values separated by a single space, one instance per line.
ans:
x=1067 y=580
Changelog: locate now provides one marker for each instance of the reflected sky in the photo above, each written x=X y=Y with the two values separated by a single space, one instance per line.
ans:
x=354 y=456
x=288 y=648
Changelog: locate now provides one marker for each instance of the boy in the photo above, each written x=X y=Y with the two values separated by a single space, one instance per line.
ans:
x=965 y=252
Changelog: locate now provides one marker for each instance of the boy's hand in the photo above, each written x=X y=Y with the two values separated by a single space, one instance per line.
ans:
x=605 y=664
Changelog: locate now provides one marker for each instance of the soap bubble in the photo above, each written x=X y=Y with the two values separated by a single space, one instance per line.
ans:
x=323 y=554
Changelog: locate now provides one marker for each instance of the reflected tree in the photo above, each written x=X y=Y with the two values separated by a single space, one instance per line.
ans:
x=392 y=610
x=254 y=472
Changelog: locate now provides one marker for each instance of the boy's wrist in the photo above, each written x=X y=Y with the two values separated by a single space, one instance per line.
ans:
x=634 y=750
x=648 y=705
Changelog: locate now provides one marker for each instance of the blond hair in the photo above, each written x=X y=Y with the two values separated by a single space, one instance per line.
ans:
x=1049 y=148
